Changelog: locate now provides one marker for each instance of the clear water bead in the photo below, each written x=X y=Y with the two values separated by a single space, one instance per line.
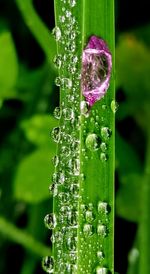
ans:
x=102 y=208
x=89 y=216
x=92 y=142
x=101 y=230
x=87 y=229
x=58 y=61
x=57 y=113
x=50 y=221
x=68 y=114
x=72 y=3
x=114 y=106
x=57 y=33
x=58 y=81
x=105 y=133
x=84 y=107
x=103 y=157
x=100 y=255
x=103 y=147
x=101 y=270
x=55 y=160
x=56 y=134
x=48 y=264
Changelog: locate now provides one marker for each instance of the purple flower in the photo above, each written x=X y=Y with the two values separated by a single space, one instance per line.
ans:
x=96 y=70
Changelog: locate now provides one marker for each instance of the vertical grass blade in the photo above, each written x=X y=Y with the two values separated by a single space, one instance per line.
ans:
x=83 y=181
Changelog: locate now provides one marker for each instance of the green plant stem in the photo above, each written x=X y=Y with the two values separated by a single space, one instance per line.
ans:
x=144 y=225
x=22 y=238
x=38 y=28
x=96 y=178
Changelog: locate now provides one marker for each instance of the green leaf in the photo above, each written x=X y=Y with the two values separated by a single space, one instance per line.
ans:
x=38 y=128
x=8 y=66
x=128 y=198
x=33 y=176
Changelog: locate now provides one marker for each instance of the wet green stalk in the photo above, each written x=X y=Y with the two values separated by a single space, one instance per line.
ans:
x=83 y=182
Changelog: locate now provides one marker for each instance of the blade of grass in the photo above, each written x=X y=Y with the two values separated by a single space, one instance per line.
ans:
x=84 y=216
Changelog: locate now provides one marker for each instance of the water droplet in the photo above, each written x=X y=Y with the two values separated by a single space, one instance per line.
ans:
x=50 y=221
x=105 y=133
x=62 y=19
x=71 y=243
x=102 y=208
x=63 y=197
x=58 y=81
x=96 y=70
x=92 y=142
x=58 y=61
x=74 y=167
x=68 y=13
x=58 y=178
x=101 y=230
x=55 y=160
x=101 y=270
x=57 y=113
x=65 y=151
x=103 y=147
x=84 y=107
x=100 y=255
x=89 y=216
x=48 y=264
x=66 y=83
x=114 y=106
x=70 y=268
x=68 y=114
x=56 y=134
x=72 y=3
x=53 y=189
x=103 y=157
x=57 y=33
x=87 y=229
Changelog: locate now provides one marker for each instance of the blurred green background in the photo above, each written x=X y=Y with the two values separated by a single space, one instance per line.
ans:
x=28 y=97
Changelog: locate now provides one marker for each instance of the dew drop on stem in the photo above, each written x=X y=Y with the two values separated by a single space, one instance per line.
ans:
x=48 y=264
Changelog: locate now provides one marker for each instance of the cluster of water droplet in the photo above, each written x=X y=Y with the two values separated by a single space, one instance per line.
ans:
x=95 y=229
x=65 y=185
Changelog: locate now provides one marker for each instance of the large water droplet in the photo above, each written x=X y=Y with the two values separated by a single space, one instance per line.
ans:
x=50 y=221
x=57 y=33
x=48 y=264
x=92 y=142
